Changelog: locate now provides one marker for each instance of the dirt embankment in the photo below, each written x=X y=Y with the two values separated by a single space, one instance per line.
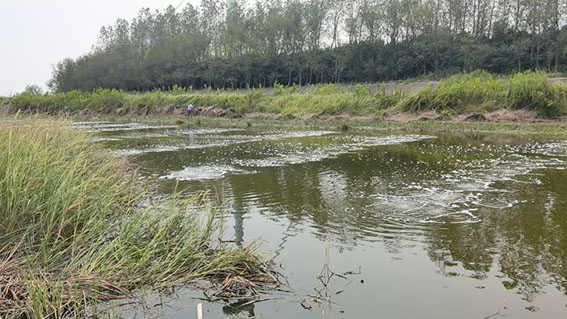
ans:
x=504 y=115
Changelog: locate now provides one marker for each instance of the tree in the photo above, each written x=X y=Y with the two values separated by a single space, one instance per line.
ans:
x=33 y=89
x=240 y=44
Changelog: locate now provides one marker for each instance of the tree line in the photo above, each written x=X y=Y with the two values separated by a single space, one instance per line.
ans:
x=238 y=44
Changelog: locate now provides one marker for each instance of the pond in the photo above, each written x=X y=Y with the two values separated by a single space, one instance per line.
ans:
x=436 y=225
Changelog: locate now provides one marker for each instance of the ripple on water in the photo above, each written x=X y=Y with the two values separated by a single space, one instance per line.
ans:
x=202 y=131
x=228 y=141
x=111 y=127
x=460 y=194
x=352 y=144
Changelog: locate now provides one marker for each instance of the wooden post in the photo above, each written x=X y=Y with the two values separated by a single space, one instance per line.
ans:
x=199 y=311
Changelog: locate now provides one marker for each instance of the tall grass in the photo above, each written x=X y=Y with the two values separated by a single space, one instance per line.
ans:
x=462 y=93
x=479 y=91
x=327 y=99
x=475 y=92
x=532 y=90
x=73 y=230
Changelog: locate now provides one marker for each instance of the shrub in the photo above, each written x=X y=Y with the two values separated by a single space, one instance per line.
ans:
x=532 y=90
x=328 y=89
x=477 y=90
x=361 y=90
x=106 y=99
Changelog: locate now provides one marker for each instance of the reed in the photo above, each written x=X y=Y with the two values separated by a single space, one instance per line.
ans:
x=479 y=92
x=76 y=228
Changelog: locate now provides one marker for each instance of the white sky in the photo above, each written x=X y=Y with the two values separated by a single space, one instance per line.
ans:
x=36 y=34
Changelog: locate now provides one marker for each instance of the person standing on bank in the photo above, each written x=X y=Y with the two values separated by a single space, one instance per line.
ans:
x=189 y=109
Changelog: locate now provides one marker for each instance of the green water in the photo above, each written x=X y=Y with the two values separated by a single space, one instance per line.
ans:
x=431 y=225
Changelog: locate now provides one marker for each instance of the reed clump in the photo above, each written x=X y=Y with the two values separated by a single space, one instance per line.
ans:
x=74 y=229
x=477 y=91
x=532 y=90
x=480 y=91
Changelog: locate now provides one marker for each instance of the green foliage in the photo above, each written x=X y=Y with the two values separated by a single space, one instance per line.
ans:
x=102 y=98
x=211 y=47
x=532 y=90
x=279 y=88
x=469 y=91
x=387 y=100
x=4 y=100
x=480 y=91
x=33 y=89
x=328 y=89
x=176 y=89
x=420 y=101
x=361 y=90
x=254 y=99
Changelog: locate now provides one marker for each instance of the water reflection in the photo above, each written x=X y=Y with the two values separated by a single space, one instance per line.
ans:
x=240 y=309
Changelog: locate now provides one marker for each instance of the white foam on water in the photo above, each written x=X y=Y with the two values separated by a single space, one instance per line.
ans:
x=390 y=140
x=89 y=123
x=139 y=151
x=296 y=158
x=111 y=127
x=457 y=196
x=174 y=148
x=203 y=173
x=356 y=143
x=202 y=131
x=142 y=136
x=103 y=125
x=130 y=128
x=231 y=140
x=104 y=139
x=555 y=148
x=174 y=133
x=296 y=134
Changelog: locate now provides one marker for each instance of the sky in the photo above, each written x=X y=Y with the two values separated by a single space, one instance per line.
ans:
x=36 y=34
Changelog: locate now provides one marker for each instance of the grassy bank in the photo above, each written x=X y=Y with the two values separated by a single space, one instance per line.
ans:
x=73 y=231
x=477 y=92
x=480 y=92
x=330 y=99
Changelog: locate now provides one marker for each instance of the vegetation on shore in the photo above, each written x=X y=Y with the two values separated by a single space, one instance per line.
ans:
x=475 y=92
x=76 y=229
x=480 y=92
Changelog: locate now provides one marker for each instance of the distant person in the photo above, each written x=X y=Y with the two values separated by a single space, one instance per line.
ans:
x=189 y=109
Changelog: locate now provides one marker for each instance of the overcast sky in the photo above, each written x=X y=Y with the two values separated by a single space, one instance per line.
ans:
x=36 y=34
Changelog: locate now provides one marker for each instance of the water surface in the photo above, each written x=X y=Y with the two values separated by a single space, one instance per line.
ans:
x=430 y=225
